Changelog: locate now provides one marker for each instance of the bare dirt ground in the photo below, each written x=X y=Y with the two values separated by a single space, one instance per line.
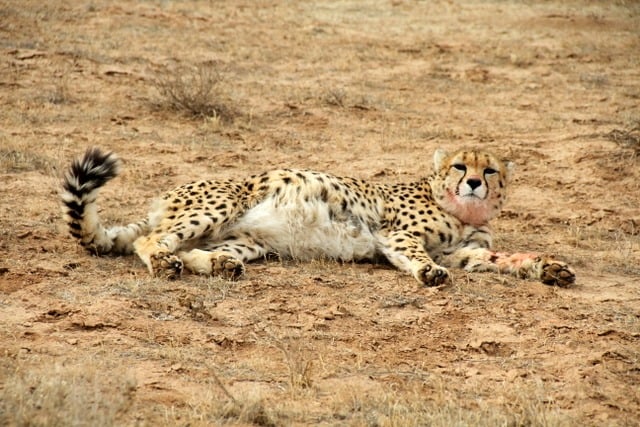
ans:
x=360 y=88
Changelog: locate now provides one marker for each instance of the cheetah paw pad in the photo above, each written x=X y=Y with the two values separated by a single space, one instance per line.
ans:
x=432 y=275
x=227 y=266
x=556 y=273
x=168 y=266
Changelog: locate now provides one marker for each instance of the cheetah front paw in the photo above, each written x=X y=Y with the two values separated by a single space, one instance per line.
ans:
x=556 y=273
x=432 y=275
x=168 y=266
x=226 y=266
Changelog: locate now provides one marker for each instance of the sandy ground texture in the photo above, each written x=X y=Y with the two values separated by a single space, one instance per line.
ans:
x=184 y=90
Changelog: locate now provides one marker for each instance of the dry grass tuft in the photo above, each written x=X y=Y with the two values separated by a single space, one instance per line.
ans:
x=250 y=410
x=18 y=160
x=336 y=97
x=297 y=360
x=196 y=91
x=626 y=138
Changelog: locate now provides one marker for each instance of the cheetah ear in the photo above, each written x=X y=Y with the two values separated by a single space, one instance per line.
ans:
x=438 y=159
x=510 y=168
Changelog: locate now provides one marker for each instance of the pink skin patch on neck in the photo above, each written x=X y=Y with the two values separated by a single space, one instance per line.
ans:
x=469 y=210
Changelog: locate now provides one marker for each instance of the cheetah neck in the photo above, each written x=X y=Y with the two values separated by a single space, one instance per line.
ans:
x=471 y=211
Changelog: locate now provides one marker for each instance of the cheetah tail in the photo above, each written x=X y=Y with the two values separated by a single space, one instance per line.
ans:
x=80 y=189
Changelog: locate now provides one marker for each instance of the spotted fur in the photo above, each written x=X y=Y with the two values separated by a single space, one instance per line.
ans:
x=215 y=227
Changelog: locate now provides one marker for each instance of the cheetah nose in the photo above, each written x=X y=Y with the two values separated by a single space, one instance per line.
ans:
x=474 y=183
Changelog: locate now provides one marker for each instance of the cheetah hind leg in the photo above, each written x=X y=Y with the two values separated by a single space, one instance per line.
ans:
x=213 y=263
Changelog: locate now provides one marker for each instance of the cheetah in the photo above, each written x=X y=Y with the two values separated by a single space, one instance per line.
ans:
x=215 y=227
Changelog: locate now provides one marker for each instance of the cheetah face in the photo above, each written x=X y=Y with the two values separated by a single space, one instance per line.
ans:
x=471 y=185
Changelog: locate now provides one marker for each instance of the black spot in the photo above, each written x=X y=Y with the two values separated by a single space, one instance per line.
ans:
x=180 y=235
x=286 y=180
x=324 y=195
x=188 y=202
x=177 y=200
x=464 y=262
x=195 y=222
x=221 y=206
x=442 y=237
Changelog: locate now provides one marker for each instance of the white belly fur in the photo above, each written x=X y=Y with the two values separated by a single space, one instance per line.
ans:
x=303 y=230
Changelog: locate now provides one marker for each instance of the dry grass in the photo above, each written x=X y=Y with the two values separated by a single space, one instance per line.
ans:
x=627 y=138
x=96 y=392
x=197 y=91
x=15 y=158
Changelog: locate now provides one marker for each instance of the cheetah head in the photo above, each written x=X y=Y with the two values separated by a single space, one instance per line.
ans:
x=469 y=184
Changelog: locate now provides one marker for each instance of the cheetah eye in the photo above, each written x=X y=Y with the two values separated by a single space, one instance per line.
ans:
x=490 y=171
x=461 y=168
